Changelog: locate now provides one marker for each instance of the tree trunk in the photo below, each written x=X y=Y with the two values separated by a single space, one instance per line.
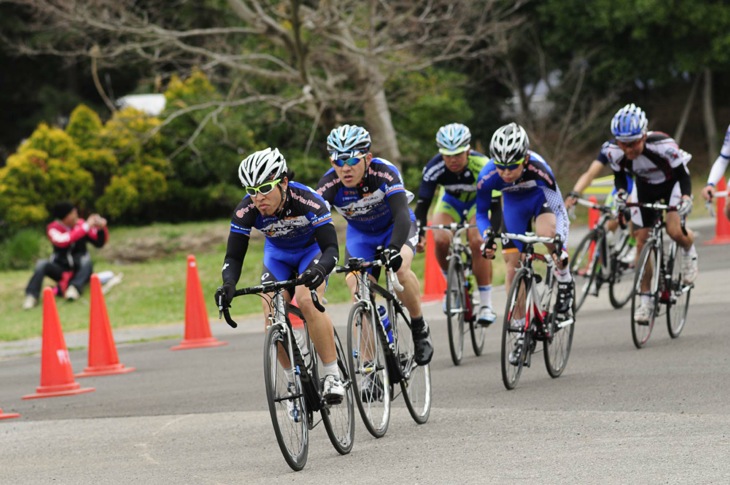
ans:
x=687 y=108
x=380 y=125
x=708 y=115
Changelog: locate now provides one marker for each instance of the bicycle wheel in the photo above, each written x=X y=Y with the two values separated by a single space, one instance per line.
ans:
x=621 y=282
x=339 y=420
x=647 y=268
x=584 y=266
x=416 y=382
x=513 y=330
x=286 y=401
x=679 y=293
x=478 y=336
x=369 y=375
x=455 y=308
x=559 y=338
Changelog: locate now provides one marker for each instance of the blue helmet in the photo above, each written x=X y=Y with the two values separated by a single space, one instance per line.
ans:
x=352 y=140
x=453 y=139
x=629 y=123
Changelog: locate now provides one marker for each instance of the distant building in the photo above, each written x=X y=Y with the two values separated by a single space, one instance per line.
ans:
x=152 y=104
x=537 y=94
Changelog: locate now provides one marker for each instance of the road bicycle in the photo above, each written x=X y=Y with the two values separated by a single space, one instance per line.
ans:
x=461 y=309
x=596 y=262
x=380 y=350
x=666 y=291
x=292 y=377
x=530 y=315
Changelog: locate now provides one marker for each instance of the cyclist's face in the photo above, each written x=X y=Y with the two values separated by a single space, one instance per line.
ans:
x=352 y=175
x=268 y=204
x=456 y=163
x=632 y=149
x=510 y=176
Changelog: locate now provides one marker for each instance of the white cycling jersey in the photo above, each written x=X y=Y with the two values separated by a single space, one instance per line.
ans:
x=720 y=165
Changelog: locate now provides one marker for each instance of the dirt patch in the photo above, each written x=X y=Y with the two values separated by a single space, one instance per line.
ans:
x=154 y=247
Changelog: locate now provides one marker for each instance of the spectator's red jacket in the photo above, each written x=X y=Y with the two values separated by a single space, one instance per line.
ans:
x=69 y=243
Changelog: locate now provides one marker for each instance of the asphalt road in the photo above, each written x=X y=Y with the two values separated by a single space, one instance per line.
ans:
x=617 y=415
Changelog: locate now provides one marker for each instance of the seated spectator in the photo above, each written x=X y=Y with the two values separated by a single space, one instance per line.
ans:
x=70 y=264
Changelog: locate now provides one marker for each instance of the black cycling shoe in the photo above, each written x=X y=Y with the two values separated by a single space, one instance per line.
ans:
x=422 y=344
x=564 y=303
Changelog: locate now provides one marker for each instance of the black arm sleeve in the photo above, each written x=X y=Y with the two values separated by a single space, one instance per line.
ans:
x=422 y=206
x=401 y=219
x=619 y=180
x=685 y=181
x=326 y=237
x=233 y=262
x=100 y=238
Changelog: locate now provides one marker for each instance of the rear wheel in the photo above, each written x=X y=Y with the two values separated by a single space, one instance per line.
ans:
x=367 y=370
x=678 y=297
x=416 y=382
x=455 y=308
x=621 y=285
x=514 y=342
x=647 y=271
x=286 y=401
x=339 y=420
x=585 y=266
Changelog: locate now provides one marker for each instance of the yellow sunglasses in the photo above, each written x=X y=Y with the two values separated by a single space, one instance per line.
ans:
x=262 y=189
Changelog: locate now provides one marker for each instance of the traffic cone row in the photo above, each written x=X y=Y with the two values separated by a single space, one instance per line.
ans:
x=57 y=377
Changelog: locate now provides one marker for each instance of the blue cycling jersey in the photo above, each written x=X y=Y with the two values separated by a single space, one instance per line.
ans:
x=292 y=227
x=365 y=207
x=535 y=192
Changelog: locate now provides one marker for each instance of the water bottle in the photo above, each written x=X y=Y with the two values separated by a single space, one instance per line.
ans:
x=386 y=323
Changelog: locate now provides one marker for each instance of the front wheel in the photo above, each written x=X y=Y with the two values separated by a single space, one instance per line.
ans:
x=559 y=337
x=416 y=382
x=621 y=285
x=514 y=343
x=289 y=415
x=339 y=420
x=678 y=294
x=455 y=307
x=367 y=369
x=585 y=265
x=647 y=271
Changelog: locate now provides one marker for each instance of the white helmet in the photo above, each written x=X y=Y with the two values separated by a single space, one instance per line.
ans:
x=509 y=144
x=261 y=166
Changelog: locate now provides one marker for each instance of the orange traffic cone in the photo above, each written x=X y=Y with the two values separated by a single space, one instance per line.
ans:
x=57 y=377
x=722 y=225
x=197 y=325
x=435 y=284
x=8 y=415
x=103 y=359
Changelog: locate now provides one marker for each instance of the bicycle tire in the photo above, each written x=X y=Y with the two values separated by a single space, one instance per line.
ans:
x=416 y=382
x=514 y=327
x=478 y=336
x=291 y=434
x=621 y=282
x=362 y=333
x=584 y=266
x=339 y=420
x=679 y=296
x=559 y=342
x=455 y=308
x=641 y=332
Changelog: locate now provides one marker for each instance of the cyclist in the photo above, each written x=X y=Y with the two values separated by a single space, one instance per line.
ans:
x=659 y=169
x=455 y=168
x=529 y=190
x=370 y=195
x=718 y=169
x=299 y=239
x=596 y=167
